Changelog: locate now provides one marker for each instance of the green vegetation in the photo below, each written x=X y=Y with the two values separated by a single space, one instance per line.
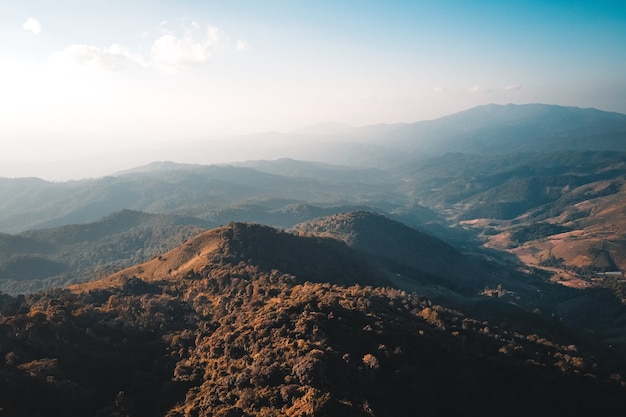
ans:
x=74 y=253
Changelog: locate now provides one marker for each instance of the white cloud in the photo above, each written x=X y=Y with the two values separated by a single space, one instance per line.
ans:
x=32 y=25
x=438 y=89
x=513 y=87
x=477 y=88
x=172 y=53
x=242 y=46
x=112 y=58
x=214 y=36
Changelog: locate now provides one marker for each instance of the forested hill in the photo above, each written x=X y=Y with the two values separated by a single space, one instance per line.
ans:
x=398 y=247
x=245 y=320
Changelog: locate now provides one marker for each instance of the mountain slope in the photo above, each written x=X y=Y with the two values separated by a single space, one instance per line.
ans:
x=227 y=332
x=400 y=248
x=578 y=238
x=506 y=199
x=308 y=258
x=496 y=129
x=57 y=257
x=47 y=258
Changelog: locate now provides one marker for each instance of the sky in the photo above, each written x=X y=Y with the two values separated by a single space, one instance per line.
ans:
x=86 y=80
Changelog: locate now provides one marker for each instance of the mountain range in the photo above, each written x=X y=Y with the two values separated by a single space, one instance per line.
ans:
x=486 y=130
x=461 y=265
x=497 y=190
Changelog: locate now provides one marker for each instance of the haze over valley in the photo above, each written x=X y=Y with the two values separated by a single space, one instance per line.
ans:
x=101 y=87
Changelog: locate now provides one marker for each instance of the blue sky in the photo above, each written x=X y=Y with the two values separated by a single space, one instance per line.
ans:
x=95 y=76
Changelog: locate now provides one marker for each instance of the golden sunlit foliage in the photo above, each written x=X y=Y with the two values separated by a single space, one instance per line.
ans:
x=245 y=338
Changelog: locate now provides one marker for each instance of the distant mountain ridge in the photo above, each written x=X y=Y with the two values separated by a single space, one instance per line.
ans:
x=484 y=130
x=359 y=165
x=497 y=129
x=170 y=188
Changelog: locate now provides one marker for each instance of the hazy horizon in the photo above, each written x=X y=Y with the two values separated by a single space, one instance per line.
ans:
x=94 y=87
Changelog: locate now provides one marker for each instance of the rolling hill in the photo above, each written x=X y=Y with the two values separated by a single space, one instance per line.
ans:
x=502 y=176
x=542 y=207
x=57 y=257
x=400 y=249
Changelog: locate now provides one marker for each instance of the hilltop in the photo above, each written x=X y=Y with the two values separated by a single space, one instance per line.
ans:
x=56 y=257
x=267 y=249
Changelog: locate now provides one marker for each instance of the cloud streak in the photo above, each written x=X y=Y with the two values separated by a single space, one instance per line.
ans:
x=477 y=88
x=242 y=46
x=110 y=59
x=170 y=52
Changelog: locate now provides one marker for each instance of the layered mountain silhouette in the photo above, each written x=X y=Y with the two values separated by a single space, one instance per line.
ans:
x=187 y=190
x=468 y=265
x=56 y=257
x=555 y=206
x=368 y=169
x=246 y=320
x=483 y=130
